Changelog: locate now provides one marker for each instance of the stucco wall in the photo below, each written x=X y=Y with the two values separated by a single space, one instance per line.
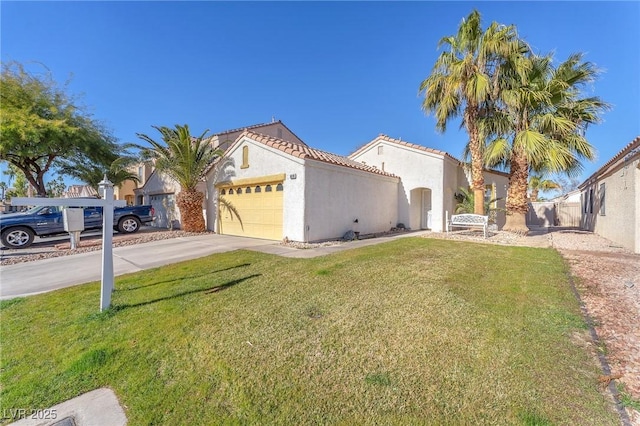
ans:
x=265 y=161
x=416 y=169
x=620 y=220
x=158 y=183
x=336 y=196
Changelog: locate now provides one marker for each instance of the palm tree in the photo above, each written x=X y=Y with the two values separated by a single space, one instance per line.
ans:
x=92 y=174
x=466 y=203
x=539 y=124
x=464 y=80
x=186 y=159
x=537 y=183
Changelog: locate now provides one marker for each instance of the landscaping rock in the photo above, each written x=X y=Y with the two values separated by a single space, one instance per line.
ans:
x=349 y=236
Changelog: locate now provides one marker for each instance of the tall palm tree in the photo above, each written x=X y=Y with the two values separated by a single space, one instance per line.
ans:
x=186 y=159
x=537 y=183
x=463 y=81
x=539 y=124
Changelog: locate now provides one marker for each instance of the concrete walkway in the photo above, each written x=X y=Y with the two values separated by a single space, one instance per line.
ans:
x=29 y=278
x=25 y=279
x=99 y=407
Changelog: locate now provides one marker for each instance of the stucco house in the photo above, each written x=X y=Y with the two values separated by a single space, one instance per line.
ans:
x=159 y=190
x=429 y=181
x=610 y=198
x=290 y=190
x=126 y=191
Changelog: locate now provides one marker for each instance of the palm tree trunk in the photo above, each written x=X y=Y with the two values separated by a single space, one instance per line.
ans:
x=517 y=205
x=477 y=162
x=190 y=206
x=534 y=195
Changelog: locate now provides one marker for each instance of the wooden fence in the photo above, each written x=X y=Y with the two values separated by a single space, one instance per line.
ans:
x=547 y=214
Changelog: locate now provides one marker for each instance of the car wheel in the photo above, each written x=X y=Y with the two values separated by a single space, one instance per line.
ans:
x=129 y=225
x=19 y=237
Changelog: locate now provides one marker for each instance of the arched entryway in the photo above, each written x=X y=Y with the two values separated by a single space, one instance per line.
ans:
x=420 y=208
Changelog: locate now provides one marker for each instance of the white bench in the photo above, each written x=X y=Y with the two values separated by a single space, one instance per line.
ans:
x=468 y=221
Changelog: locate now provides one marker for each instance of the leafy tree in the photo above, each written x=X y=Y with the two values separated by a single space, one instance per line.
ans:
x=463 y=81
x=186 y=159
x=567 y=183
x=540 y=123
x=20 y=187
x=42 y=124
x=537 y=183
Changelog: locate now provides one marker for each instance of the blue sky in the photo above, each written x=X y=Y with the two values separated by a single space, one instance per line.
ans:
x=335 y=73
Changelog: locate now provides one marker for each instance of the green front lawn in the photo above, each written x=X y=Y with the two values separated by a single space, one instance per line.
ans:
x=413 y=331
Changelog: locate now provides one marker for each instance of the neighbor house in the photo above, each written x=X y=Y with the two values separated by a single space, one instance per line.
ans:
x=611 y=199
x=80 y=191
x=126 y=190
x=290 y=190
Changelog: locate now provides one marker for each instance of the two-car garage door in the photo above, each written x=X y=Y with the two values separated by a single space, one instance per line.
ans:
x=259 y=206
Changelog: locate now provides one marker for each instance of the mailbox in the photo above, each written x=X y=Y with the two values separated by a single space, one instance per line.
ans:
x=73 y=219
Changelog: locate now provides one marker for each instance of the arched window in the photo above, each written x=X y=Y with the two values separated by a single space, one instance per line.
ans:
x=258 y=189
x=247 y=190
x=223 y=192
x=267 y=188
x=239 y=191
x=230 y=191
x=245 y=157
x=279 y=187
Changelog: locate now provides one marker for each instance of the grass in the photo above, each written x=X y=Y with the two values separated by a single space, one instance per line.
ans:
x=413 y=331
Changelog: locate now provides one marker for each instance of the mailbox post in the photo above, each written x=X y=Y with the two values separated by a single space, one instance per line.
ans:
x=74 y=224
x=106 y=188
x=107 y=203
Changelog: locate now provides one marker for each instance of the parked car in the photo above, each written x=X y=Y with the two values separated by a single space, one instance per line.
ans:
x=19 y=229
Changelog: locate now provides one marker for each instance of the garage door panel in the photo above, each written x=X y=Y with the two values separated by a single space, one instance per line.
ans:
x=260 y=210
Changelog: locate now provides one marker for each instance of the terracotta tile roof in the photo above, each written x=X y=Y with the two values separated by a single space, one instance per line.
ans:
x=383 y=137
x=77 y=191
x=632 y=149
x=305 y=152
x=253 y=126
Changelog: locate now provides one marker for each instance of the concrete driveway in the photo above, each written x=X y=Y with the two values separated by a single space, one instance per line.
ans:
x=24 y=279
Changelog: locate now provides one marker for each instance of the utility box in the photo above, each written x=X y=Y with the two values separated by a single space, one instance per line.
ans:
x=73 y=219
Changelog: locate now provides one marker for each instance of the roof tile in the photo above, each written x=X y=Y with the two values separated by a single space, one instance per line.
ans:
x=305 y=152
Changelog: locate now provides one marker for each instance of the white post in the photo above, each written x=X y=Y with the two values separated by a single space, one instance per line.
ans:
x=446 y=220
x=106 y=189
x=107 y=204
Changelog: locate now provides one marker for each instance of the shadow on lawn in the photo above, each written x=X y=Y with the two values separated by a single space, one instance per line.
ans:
x=183 y=278
x=210 y=290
